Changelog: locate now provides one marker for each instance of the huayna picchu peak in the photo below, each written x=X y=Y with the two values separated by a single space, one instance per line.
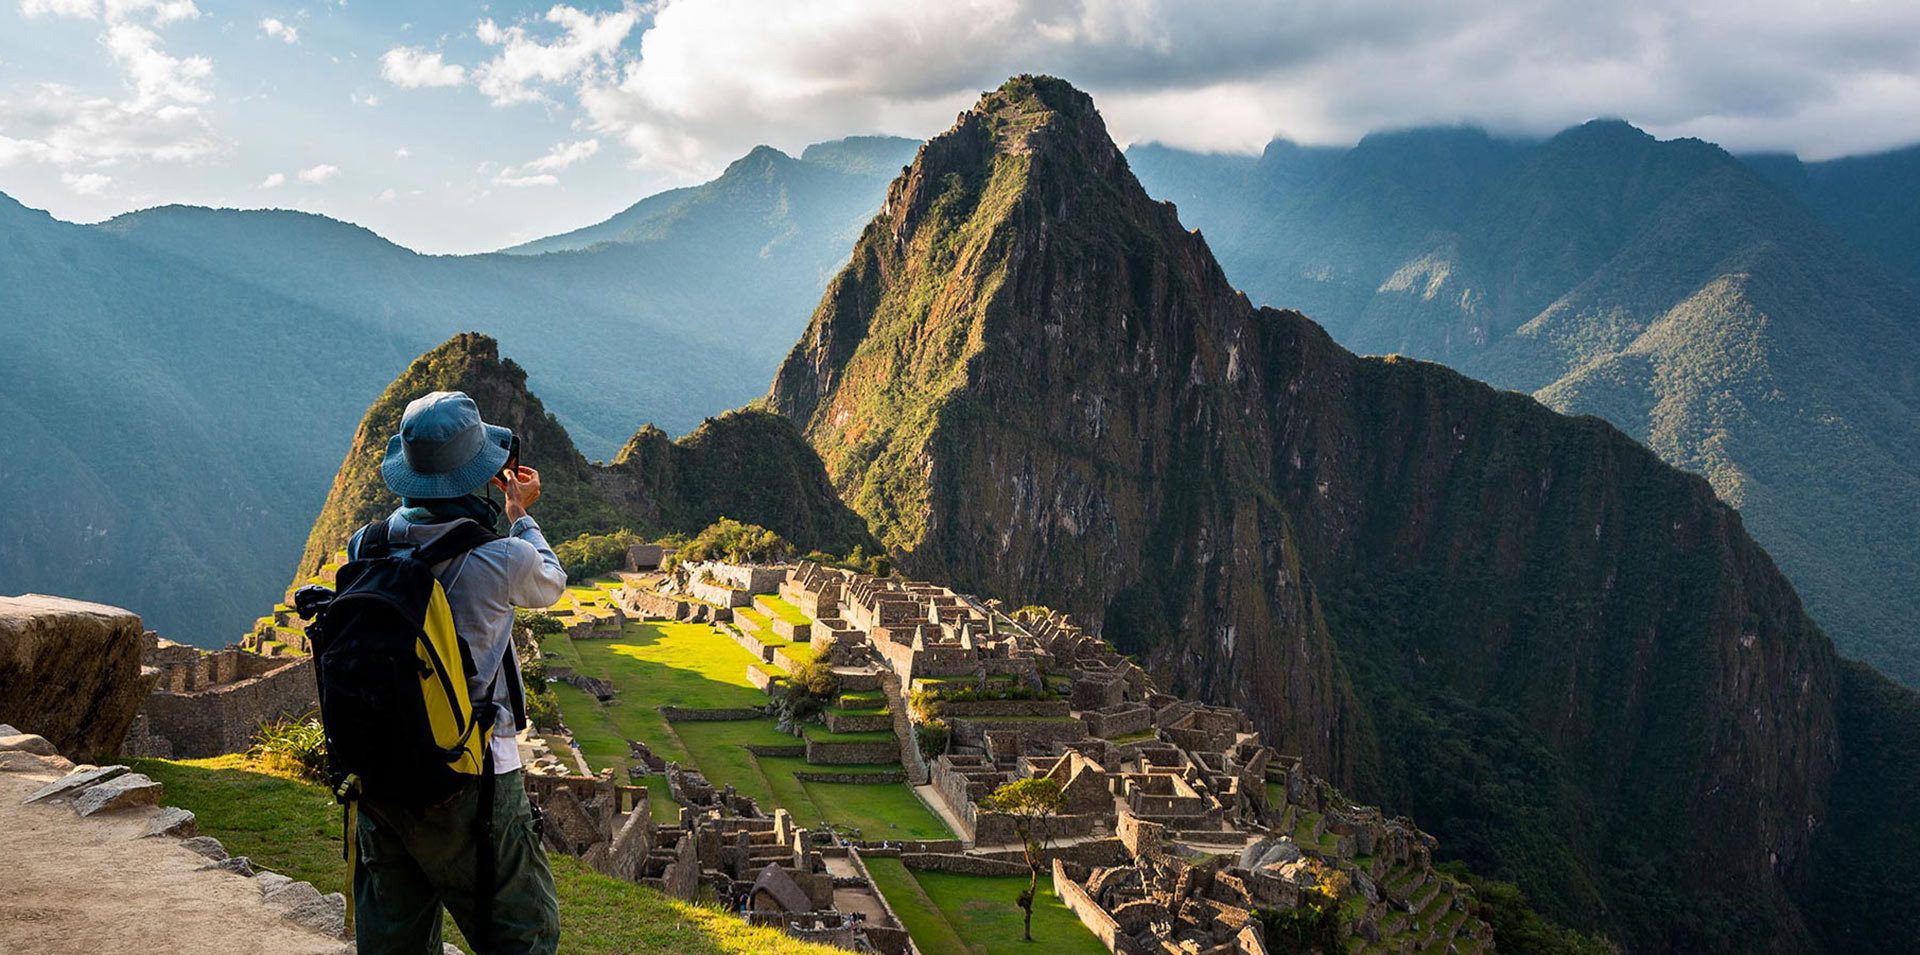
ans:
x=1524 y=629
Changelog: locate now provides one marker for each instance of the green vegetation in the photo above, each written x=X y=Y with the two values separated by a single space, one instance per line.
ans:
x=698 y=667
x=1519 y=930
x=729 y=540
x=589 y=555
x=784 y=610
x=747 y=462
x=950 y=914
x=294 y=746
x=293 y=828
x=1033 y=804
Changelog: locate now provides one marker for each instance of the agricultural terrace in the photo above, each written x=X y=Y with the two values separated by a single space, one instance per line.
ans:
x=701 y=666
x=957 y=914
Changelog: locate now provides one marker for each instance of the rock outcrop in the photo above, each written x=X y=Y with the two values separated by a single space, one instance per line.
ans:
x=1525 y=629
x=70 y=671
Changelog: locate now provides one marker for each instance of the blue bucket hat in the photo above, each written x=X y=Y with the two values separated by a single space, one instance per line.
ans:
x=443 y=448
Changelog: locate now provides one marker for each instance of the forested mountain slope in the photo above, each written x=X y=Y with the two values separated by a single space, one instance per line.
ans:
x=1662 y=285
x=1563 y=655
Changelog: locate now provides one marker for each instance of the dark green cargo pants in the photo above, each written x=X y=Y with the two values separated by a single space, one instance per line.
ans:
x=414 y=862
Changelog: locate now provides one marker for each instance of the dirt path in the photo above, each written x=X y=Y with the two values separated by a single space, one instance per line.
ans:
x=73 y=886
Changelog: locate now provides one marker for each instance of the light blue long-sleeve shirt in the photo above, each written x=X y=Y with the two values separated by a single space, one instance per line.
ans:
x=483 y=586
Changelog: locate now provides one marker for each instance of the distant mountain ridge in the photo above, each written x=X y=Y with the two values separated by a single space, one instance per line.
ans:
x=180 y=361
x=1662 y=285
x=826 y=174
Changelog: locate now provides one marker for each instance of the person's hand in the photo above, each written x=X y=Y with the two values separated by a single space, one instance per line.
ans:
x=522 y=488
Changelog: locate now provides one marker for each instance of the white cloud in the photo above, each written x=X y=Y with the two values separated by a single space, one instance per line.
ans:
x=590 y=43
x=160 y=120
x=81 y=9
x=402 y=153
x=59 y=125
x=714 y=77
x=86 y=184
x=563 y=155
x=365 y=99
x=522 y=182
x=411 y=67
x=387 y=195
x=285 y=33
x=274 y=181
x=319 y=174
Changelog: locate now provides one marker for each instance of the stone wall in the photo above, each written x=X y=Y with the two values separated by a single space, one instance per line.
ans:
x=972 y=730
x=677 y=714
x=961 y=864
x=821 y=752
x=1091 y=914
x=1005 y=708
x=857 y=779
x=224 y=719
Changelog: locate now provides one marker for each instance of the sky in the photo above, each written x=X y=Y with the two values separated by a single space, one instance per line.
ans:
x=453 y=127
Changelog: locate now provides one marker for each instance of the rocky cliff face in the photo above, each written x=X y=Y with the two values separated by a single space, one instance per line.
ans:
x=1563 y=656
x=70 y=671
x=748 y=465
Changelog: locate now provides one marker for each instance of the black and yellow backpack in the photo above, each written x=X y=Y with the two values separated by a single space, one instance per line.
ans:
x=401 y=727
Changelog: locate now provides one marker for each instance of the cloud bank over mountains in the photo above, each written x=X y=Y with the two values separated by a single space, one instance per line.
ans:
x=109 y=102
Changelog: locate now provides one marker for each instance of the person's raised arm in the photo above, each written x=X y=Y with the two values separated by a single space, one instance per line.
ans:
x=537 y=583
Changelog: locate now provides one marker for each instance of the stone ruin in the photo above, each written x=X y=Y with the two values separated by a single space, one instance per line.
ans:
x=206 y=703
x=1179 y=822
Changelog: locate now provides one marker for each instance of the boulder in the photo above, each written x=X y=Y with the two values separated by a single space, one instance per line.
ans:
x=125 y=791
x=292 y=894
x=27 y=743
x=326 y=914
x=70 y=671
x=206 y=846
x=72 y=783
x=173 y=821
x=238 y=865
x=271 y=882
x=14 y=761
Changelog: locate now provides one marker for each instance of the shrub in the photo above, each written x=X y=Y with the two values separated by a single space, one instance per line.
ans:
x=1312 y=926
x=933 y=736
x=591 y=555
x=537 y=623
x=732 y=541
x=543 y=709
x=295 y=746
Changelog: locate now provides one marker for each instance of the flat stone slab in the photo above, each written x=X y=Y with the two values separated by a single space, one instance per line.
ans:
x=326 y=914
x=206 y=846
x=16 y=761
x=173 y=821
x=125 y=791
x=73 y=782
x=28 y=743
x=238 y=865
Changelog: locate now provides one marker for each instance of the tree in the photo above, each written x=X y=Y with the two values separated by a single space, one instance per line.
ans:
x=1033 y=804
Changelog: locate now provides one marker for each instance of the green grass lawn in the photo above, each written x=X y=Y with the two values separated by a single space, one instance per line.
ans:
x=786 y=611
x=820 y=733
x=293 y=828
x=694 y=665
x=757 y=625
x=951 y=914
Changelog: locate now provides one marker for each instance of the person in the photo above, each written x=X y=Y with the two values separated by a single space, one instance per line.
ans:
x=445 y=465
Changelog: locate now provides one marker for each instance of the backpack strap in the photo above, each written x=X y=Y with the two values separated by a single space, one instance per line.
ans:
x=373 y=541
x=463 y=536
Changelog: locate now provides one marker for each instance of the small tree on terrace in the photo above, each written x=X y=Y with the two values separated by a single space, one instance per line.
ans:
x=1033 y=804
